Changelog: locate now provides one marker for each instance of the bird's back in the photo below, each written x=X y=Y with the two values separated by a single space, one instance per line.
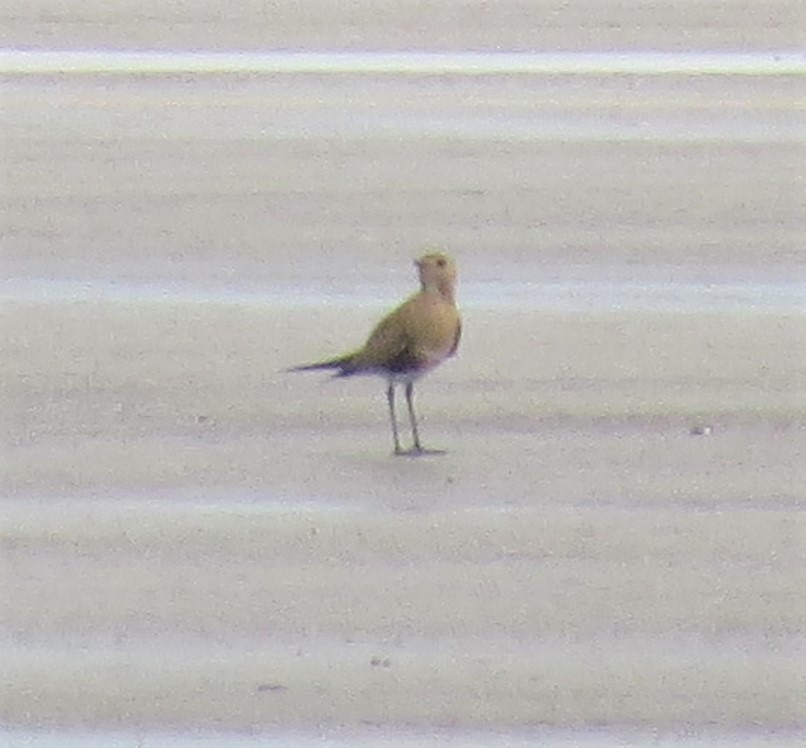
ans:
x=416 y=336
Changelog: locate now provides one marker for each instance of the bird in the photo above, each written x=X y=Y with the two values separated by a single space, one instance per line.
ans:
x=407 y=343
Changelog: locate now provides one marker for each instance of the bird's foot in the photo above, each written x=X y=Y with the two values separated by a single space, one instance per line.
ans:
x=418 y=452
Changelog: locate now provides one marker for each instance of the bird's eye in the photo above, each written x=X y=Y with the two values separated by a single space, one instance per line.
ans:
x=440 y=263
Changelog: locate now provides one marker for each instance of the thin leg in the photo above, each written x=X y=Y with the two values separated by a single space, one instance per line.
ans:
x=390 y=398
x=415 y=435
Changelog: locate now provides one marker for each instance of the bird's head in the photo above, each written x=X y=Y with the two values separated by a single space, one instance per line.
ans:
x=437 y=272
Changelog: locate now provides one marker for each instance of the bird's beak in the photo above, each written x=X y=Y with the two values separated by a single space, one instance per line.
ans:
x=418 y=264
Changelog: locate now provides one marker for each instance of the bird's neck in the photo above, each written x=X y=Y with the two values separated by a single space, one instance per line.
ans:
x=445 y=291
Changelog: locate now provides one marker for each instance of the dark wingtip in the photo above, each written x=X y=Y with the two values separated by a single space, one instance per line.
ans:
x=336 y=363
x=311 y=367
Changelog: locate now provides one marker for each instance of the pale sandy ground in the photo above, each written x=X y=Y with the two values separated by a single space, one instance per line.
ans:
x=194 y=540
x=442 y=24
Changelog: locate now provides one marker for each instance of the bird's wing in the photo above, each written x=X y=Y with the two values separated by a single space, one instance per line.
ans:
x=386 y=344
x=457 y=338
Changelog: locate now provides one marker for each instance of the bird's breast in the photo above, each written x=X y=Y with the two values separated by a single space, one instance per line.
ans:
x=434 y=332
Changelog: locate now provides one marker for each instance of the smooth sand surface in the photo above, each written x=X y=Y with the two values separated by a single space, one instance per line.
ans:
x=194 y=538
x=369 y=24
x=614 y=545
